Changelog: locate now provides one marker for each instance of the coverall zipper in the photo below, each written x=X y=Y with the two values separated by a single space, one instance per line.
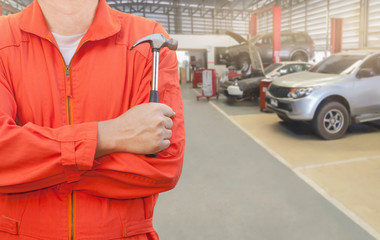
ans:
x=67 y=71
x=71 y=205
x=68 y=91
x=69 y=122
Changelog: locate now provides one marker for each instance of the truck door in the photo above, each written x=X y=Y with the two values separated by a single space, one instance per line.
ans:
x=367 y=89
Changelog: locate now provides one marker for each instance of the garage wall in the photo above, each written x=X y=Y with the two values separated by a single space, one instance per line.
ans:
x=349 y=10
x=316 y=24
x=374 y=23
x=298 y=17
x=314 y=16
x=265 y=22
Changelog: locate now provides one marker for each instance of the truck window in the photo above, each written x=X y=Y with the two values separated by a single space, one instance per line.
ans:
x=373 y=63
x=286 y=39
x=336 y=64
x=272 y=67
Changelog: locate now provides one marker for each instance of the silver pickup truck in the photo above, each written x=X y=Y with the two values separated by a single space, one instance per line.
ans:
x=342 y=89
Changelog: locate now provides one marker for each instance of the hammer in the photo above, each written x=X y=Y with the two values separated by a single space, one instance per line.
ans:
x=157 y=41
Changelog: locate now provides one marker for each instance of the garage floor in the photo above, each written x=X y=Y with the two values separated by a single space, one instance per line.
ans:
x=248 y=176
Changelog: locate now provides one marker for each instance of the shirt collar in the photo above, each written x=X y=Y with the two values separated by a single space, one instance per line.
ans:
x=104 y=25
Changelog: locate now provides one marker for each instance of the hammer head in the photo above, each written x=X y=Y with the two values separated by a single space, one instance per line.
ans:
x=158 y=41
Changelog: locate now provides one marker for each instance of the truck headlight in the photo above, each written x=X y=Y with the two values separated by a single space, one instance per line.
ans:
x=300 y=92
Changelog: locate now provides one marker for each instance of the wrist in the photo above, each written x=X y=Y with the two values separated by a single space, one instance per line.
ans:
x=106 y=144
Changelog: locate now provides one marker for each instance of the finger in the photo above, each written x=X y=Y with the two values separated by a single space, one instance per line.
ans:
x=167 y=111
x=168 y=123
x=165 y=145
x=167 y=134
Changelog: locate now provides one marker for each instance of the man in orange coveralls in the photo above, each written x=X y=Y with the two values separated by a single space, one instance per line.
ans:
x=74 y=131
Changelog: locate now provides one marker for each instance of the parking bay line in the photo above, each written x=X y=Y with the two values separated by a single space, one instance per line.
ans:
x=361 y=159
x=355 y=218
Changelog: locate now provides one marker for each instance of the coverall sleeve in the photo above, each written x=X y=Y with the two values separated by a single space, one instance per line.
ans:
x=34 y=157
x=125 y=175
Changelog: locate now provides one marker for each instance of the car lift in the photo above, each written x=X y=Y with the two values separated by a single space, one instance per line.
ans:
x=264 y=84
x=276 y=29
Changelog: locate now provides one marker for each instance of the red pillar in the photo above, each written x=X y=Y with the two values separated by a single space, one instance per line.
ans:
x=276 y=33
x=253 y=25
x=1 y=12
x=336 y=35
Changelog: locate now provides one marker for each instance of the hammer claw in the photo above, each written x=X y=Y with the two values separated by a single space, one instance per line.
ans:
x=158 y=41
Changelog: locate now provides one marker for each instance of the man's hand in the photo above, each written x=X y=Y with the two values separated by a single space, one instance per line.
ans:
x=144 y=129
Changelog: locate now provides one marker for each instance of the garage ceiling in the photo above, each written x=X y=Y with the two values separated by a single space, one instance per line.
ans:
x=186 y=16
x=196 y=16
x=199 y=16
x=14 y=5
x=242 y=5
x=200 y=4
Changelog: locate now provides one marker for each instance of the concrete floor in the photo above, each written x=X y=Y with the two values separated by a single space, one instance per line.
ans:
x=246 y=176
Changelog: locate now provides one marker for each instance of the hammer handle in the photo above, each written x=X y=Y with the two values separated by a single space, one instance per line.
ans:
x=153 y=97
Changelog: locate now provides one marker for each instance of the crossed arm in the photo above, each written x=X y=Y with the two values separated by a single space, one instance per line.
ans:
x=33 y=157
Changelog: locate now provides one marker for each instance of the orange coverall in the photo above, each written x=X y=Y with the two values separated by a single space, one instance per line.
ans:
x=50 y=185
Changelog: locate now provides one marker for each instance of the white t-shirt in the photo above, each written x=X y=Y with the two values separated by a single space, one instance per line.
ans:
x=68 y=45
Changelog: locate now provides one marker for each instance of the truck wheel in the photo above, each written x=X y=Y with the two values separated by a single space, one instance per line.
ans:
x=300 y=57
x=331 y=120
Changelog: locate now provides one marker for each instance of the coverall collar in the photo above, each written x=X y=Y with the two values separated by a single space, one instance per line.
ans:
x=104 y=25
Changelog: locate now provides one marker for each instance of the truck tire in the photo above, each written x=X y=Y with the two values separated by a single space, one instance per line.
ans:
x=300 y=57
x=331 y=120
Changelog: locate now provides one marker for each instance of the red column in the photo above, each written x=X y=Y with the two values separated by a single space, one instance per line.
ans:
x=276 y=33
x=253 y=25
x=1 y=13
x=336 y=35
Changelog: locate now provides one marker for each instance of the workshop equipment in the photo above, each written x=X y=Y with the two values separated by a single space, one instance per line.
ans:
x=197 y=78
x=210 y=84
x=157 y=41
x=264 y=87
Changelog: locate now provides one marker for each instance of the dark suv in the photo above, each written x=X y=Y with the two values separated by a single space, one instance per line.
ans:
x=295 y=46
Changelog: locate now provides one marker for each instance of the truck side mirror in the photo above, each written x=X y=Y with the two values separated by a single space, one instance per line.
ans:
x=365 y=73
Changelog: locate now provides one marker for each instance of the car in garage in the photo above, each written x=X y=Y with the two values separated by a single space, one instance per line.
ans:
x=340 y=90
x=249 y=88
x=295 y=46
x=258 y=73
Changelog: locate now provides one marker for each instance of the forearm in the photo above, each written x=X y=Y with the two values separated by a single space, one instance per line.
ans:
x=134 y=178
x=38 y=157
